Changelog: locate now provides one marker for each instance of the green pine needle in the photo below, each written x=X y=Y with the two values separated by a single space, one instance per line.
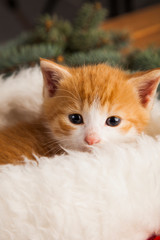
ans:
x=144 y=60
x=102 y=55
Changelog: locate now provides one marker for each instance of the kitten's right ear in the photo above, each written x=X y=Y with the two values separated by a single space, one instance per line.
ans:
x=52 y=74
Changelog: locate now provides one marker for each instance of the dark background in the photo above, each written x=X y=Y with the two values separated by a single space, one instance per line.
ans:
x=20 y=15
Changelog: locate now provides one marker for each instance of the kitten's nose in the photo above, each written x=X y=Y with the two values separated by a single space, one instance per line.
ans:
x=92 y=139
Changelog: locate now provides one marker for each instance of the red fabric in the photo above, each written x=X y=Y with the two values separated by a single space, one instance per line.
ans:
x=154 y=238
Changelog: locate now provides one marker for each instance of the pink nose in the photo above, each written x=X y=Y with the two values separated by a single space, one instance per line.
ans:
x=92 y=139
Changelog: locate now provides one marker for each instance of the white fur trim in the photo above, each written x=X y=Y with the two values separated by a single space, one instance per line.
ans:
x=112 y=194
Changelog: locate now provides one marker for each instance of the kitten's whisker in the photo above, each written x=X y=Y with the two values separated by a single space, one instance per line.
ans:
x=52 y=149
x=48 y=143
x=57 y=142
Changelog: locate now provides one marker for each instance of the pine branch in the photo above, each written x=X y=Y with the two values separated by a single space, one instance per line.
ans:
x=84 y=41
x=101 y=55
x=144 y=60
x=52 y=30
x=22 y=39
x=89 y=16
x=118 y=39
x=13 y=58
x=78 y=43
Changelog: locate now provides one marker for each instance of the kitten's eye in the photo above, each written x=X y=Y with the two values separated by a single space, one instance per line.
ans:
x=113 y=121
x=75 y=118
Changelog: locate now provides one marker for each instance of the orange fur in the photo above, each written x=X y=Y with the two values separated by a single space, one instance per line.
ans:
x=109 y=85
x=25 y=140
x=78 y=88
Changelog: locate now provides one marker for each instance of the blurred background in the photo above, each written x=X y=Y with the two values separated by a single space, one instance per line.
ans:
x=20 y=15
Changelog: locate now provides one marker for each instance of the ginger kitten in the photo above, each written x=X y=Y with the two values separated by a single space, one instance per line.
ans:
x=83 y=107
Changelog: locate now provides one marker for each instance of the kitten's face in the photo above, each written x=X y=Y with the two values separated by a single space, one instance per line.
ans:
x=92 y=105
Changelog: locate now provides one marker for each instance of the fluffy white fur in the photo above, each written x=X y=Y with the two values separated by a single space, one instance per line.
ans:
x=20 y=96
x=111 y=194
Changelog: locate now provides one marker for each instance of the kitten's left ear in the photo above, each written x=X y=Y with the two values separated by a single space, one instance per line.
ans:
x=146 y=84
x=52 y=74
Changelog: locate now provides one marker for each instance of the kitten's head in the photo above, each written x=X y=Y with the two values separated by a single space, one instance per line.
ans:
x=90 y=105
